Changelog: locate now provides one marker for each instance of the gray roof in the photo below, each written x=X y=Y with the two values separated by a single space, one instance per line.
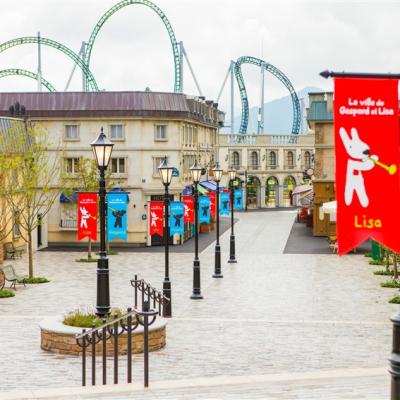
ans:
x=12 y=133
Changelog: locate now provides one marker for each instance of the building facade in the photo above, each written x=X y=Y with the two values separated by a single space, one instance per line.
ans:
x=145 y=127
x=273 y=165
x=320 y=120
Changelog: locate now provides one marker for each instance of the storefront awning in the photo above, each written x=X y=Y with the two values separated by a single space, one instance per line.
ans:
x=302 y=189
x=70 y=198
x=211 y=185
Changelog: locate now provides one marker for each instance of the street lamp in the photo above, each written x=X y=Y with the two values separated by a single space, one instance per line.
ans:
x=217 y=267
x=166 y=176
x=102 y=149
x=232 y=177
x=196 y=170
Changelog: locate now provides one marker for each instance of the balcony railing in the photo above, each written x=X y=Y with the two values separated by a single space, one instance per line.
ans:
x=289 y=166
x=272 y=166
x=253 y=167
x=69 y=223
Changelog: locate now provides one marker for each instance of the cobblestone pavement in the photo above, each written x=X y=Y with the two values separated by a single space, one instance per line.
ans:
x=272 y=313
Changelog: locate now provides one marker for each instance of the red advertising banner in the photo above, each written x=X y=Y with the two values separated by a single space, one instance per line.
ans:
x=188 y=203
x=87 y=215
x=367 y=161
x=156 y=219
x=212 y=197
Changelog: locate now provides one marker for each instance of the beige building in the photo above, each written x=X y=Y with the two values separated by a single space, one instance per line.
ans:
x=274 y=165
x=144 y=126
x=320 y=120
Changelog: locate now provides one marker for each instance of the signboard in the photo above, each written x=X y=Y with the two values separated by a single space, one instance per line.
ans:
x=224 y=203
x=176 y=215
x=116 y=216
x=204 y=209
x=238 y=204
x=175 y=172
x=87 y=215
x=212 y=197
x=188 y=203
x=156 y=218
x=367 y=161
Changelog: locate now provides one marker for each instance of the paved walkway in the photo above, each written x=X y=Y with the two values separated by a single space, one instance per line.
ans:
x=272 y=314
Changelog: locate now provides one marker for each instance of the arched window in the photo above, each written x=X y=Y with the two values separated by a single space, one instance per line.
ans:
x=235 y=160
x=290 y=159
x=307 y=159
x=254 y=159
x=272 y=159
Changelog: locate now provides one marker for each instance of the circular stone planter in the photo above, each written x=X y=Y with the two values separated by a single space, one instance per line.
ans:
x=59 y=338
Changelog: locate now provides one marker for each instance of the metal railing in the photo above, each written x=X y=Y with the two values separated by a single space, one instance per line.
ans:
x=149 y=294
x=69 y=223
x=111 y=331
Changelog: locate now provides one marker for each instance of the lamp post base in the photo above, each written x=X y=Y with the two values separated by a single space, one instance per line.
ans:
x=217 y=268
x=103 y=287
x=232 y=258
x=196 y=295
x=167 y=308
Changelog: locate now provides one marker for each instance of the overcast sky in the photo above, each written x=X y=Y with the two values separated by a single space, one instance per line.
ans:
x=133 y=50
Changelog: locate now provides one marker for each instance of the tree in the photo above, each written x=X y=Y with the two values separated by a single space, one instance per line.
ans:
x=30 y=168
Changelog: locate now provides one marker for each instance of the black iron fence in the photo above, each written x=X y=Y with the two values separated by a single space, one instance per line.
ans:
x=149 y=294
x=95 y=340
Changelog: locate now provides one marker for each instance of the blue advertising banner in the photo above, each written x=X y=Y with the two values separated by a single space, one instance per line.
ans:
x=176 y=213
x=204 y=209
x=116 y=216
x=238 y=195
x=224 y=203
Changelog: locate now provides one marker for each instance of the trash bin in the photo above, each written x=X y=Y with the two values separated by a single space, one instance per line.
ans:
x=376 y=250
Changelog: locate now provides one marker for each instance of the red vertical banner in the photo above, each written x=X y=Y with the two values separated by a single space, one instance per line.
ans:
x=367 y=153
x=87 y=215
x=156 y=218
x=188 y=203
x=212 y=197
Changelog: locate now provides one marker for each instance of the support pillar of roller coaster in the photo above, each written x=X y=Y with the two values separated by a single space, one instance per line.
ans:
x=232 y=96
x=39 y=73
x=184 y=55
x=83 y=56
x=260 y=118
x=181 y=50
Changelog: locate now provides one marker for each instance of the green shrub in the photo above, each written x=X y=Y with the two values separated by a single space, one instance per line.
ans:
x=6 y=293
x=378 y=262
x=369 y=254
x=86 y=260
x=395 y=299
x=383 y=272
x=89 y=319
x=36 y=279
x=390 y=284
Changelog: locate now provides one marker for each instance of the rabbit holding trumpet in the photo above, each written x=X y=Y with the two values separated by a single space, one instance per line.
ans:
x=359 y=161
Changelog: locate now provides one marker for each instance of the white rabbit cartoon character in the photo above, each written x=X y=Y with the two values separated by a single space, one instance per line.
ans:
x=359 y=160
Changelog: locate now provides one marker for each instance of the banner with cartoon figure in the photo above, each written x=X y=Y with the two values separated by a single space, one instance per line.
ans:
x=367 y=152
x=116 y=216
x=156 y=218
x=188 y=203
x=238 y=204
x=176 y=218
x=87 y=215
x=204 y=209
x=224 y=203
x=212 y=197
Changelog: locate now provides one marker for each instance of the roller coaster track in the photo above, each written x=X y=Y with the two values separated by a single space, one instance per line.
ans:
x=158 y=11
x=58 y=46
x=243 y=93
x=29 y=74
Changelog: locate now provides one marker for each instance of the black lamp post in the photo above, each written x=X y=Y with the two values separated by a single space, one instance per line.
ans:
x=196 y=170
x=217 y=267
x=102 y=149
x=166 y=176
x=232 y=177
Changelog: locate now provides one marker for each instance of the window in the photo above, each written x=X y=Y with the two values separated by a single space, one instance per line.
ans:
x=290 y=159
x=254 y=159
x=118 y=166
x=156 y=163
x=117 y=132
x=161 y=132
x=71 y=132
x=71 y=165
x=307 y=159
x=235 y=160
x=16 y=225
x=272 y=159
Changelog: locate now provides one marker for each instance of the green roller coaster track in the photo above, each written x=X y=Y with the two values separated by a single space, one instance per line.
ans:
x=158 y=11
x=52 y=43
x=243 y=93
x=29 y=74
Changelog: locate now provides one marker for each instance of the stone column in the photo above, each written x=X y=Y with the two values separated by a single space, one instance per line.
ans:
x=262 y=188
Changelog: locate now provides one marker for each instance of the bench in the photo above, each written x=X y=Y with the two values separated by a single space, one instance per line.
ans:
x=12 y=251
x=10 y=275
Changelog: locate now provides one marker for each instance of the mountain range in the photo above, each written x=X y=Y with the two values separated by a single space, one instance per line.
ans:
x=278 y=114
